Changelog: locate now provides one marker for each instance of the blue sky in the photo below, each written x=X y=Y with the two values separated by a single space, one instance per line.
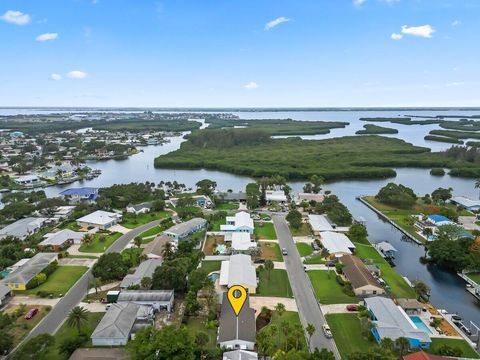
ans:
x=252 y=53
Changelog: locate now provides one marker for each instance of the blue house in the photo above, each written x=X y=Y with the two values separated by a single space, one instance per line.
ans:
x=391 y=321
x=76 y=195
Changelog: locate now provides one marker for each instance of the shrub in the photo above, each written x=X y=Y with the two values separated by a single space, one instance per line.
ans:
x=437 y=172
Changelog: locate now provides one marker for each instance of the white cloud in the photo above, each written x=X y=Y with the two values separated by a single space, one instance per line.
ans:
x=396 y=36
x=47 y=37
x=359 y=2
x=276 y=22
x=77 y=74
x=425 y=31
x=456 y=23
x=55 y=77
x=15 y=17
x=252 y=85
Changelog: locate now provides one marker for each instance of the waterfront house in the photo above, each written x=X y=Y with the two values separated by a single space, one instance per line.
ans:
x=238 y=270
x=19 y=278
x=142 y=208
x=83 y=194
x=60 y=171
x=466 y=203
x=61 y=239
x=100 y=219
x=391 y=321
x=411 y=306
x=202 y=201
x=336 y=244
x=182 y=230
x=240 y=241
x=309 y=197
x=319 y=223
x=275 y=196
x=157 y=299
x=240 y=222
x=240 y=355
x=232 y=196
x=439 y=220
x=27 y=180
x=362 y=281
x=236 y=332
x=23 y=228
x=145 y=269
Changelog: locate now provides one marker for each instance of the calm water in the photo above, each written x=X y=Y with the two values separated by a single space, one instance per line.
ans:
x=447 y=289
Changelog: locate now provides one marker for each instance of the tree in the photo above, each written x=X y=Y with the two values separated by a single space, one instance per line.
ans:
x=6 y=343
x=397 y=195
x=323 y=354
x=88 y=239
x=280 y=309
x=146 y=283
x=387 y=343
x=168 y=251
x=206 y=187
x=77 y=317
x=421 y=289
x=441 y=195
x=201 y=339
x=402 y=345
x=446 y=350
x=310 y=329
x=137 y=241
x=172 y=275
x=294 y=217
x=264 y=343
x=69 y=345
x=268 y=267
x=168 y=343
x=110 y=267
x=96 y=284
x=317 y=182
x=36 y=348
x=358 y=233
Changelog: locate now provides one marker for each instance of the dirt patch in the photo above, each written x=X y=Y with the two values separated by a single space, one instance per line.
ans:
x=164 y=318
x=448 y=329
x=211 y=242
x=269 y=251
x=263 y=319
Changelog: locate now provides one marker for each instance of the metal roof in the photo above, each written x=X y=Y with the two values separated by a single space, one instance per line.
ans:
x=99 y=217
x=145 y=295
x=60 y=237
x=336 y=242
x=27 y=271
x=319 y=223
x=238 y=271
x=117 y=322
x=23 y=227
x=186 y=227
x=145 y=269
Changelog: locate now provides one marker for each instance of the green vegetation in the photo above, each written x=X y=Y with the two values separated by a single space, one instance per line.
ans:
x=443 y=139
x=150 y=232
x=462 y=124
x=335 y=210
x=265 y=231
x=327 y=289
x=274 y=284
x=277 y=323
x=466 y=349
x=397 y=195
x=99 y=243
x=270 y=251
x=211 y=265
x=437 y=172
x=398 y=285
x=132 y=221
x=348 y=334
x=402 y=121
x=456 y=134
x=475 y=277
x=303 y=230
x=304 y=249
x=59 y=282
x=226 y=206
x=197 y=325
x=376 y=130
x=316 y=259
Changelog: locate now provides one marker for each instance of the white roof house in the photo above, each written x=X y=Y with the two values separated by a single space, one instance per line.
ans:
x=240 y=355
x=241 y=221
x=275 y=195
x=240 y=240
x=239 y=270
x=466 y=203
x=336 y=243
x=22 y=228
x=100 y=218
x=319 y=223
x=59 y=238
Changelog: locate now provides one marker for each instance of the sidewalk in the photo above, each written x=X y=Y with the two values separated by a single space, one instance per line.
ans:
x=30 y=300
x=105 y=287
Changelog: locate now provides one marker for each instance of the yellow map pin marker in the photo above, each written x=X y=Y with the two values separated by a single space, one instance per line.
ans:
x=237 y=295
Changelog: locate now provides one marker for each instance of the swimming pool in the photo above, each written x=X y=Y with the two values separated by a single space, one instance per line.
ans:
x=420 y=324
x=222 y=249
x=214 y=276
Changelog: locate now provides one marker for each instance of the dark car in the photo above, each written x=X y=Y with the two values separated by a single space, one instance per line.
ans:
x=31 y=314
x=259 y=261
x=330 y=264
x=352 y=307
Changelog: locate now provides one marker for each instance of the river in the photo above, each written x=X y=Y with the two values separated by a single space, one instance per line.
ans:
x=447 y=289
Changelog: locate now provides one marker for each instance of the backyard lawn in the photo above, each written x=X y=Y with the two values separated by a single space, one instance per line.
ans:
x=276 y=285
x=347 y=333
x=291 y=317
x=315 y=259
x=303 y=230
x=59 y=282
x=227 y=206
x=327 y=289
x=475 y=277
x=132 y=221
x=97 y=245
x=467 y=350
x=398 y=285
x=214 y=225
x=265 y=231
x=211 y=265
x=196 y=325
x=304 y=249
x=20 y=326
x=270 y=251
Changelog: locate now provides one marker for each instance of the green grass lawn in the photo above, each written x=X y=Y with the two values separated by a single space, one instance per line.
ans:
x=276 y=285
x=72 y=225
x=213 y=265
x=83 y=256
x=132 y=221
x=60 y=281
x=467 y=350
x=475 y=277
x=150 y=232
x=293 y=320
x=315 y=259
x=303 y=230
x=196 y=325
x=98 y=246
x=227 y=206
x=266 y=231
x=327 y=289
x=398 y=285
x=215 y=225
x=347 y=333
x=304 y=249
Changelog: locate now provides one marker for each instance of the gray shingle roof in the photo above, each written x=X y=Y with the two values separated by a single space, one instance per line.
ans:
x=117 y=322
x=145 y=295
x=229 y=330
x=23 y=227
x=59 y=238
x=32 y=267
x=186 y=227
x=357 y=273
x=145 y=269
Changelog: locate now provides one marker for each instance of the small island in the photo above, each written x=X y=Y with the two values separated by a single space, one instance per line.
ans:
x=370 y=129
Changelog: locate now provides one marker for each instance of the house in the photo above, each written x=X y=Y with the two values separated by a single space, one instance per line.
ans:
x=100 y=353
x=158 y=299
x=386 y=249
x=241 y=222
x=59 y=240
x=308 y=197
x=101 y=219
x=232 y=196
x=421 y=355
x=27 y=180
x=202 y=201
x=466 y=203
x=319 y=223
x=275 y=196
x=240 y=355
x=62 y=212
x=64 y=170
x=5 y=292
x=337 y=244
x=18 y=279
x=240 y=241
x=439 y=220
x=361 y=279
x=76 y=195
x=154 y=249
x=391 y=321
x=23 y=228
x=182 y=230
x=236 y=332
x=145 y=269
x=411 y=306
x=239 y=270
x=119 y=322
x=142 y=208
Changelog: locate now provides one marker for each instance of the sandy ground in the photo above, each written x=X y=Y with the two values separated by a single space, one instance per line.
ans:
x=257 y=302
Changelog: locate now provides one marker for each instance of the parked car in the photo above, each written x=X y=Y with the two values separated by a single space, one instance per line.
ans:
x=315 y=246
x=259 y=261
x=330 y=264
x=284 y=251
x=267 y=218
x=31 y=314
x=352 y=307
x=327 y=331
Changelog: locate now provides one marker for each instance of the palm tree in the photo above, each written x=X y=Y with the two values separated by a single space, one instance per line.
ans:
x=421 y=289
x=285 y=326
x=146 y=283
x=137 y=241
x=201 y=339
x=280 y=309
x=268 y=267
x=273 y=330
x=298 y=333
x=264 y=343
x=87 y=239
x=402 y=345
x=387 y=344
x=168 y=250
x=310 y=331
x=77 y=317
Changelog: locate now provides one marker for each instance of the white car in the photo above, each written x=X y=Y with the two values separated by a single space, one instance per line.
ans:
x=327 y=331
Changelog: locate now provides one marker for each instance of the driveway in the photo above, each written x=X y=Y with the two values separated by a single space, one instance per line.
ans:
x=77 y=262
x=73 y=250
x=335 y=309
x=257 y=302
x=468 y=222
x=119 y=228
x=31 y=300
x=308 y=307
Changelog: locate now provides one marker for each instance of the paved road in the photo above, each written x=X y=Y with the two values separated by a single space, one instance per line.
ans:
x=58 y=314
x=307 y=304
